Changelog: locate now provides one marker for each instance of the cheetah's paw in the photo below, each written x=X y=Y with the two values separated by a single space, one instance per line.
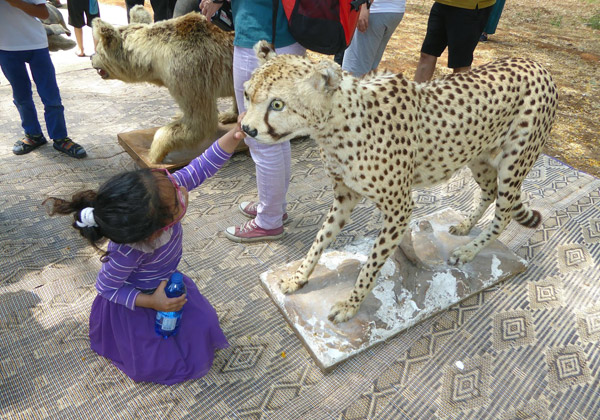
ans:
x=462 y=255
x=342 y=311
x=461 y=229
x=291 y=284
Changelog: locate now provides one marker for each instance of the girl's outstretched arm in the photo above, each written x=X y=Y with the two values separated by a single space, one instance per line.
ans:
x=233 y=137
x=207 y=164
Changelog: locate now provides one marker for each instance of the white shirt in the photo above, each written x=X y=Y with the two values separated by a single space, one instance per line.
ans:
x=387 y=6
x=19 y=31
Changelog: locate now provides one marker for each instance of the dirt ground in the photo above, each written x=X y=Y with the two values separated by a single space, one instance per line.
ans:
x=557 y=34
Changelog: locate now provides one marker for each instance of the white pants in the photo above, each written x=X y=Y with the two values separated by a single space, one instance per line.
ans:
x=273 y=162
x=366 y=49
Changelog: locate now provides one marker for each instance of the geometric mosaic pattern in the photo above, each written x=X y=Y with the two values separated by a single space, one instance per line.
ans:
x=537 y=410
x=568 y=367
x=588 y=324
x=513 y=329
x=466 y=386
x=573 y=257
x=527 y=348
x=591 y=232
x=546 y=294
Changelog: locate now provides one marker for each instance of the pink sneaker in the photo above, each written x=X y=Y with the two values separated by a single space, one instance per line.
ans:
x=251 y=232
x=249 y=209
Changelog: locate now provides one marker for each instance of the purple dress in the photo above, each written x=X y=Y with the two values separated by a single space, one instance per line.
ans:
x=124 y=333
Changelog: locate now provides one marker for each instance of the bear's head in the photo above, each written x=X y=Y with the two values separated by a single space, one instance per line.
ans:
x=120 y=52
x=109 y=47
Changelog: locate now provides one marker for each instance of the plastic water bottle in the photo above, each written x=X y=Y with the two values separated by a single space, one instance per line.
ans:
x=167 y=323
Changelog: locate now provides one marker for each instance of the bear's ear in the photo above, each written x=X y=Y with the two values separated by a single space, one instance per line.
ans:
x=138 y=14
x=105 y=34
x=326 y=76
x=264 y=51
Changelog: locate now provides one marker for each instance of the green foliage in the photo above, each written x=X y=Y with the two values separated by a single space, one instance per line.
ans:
x=556 y=21
x=594 y=21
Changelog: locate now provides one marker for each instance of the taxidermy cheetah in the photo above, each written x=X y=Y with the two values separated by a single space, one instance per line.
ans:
x=382 y=135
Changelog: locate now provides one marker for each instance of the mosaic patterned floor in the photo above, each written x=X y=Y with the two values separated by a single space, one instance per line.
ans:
x=527 y=348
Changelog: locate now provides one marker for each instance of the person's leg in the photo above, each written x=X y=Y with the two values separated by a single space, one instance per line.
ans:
x=44 y=77
x=464 y=30
x=161 y=10
x=76 y=10
x=79 y=38
x=273 y=162
x=425 y=67
x=492 y=23
x=183 y=7
x=13 y=65
x=360 y=55
x=384 y=25
x=434 y=44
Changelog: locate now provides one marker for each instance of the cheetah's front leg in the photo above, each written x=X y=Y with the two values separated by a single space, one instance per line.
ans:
x=384 y=246
x=344 y=201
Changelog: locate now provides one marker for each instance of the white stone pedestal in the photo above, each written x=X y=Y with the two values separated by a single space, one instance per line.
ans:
x=415 y=283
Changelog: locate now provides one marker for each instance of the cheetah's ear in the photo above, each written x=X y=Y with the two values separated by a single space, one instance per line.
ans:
x=326 y=77
x=264 y=51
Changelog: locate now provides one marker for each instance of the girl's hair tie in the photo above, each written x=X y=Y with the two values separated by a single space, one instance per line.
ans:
x=87 y=218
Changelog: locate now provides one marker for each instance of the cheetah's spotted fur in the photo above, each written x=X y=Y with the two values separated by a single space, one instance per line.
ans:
x=382 y=135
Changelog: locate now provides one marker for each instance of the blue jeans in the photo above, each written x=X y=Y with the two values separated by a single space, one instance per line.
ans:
x=44 y=76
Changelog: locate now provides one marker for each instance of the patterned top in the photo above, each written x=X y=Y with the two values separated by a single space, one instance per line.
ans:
x=131 y=268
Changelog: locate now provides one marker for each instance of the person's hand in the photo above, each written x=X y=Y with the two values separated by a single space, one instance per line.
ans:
x=208 y=8
x=161 y=302
x=239 y=134
x=363 y=19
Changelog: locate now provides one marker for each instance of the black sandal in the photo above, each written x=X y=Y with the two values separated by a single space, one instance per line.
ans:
x=69 y=147
x=28 y=143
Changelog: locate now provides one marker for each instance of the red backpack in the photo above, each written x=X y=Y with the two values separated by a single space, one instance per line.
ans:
x=324 y=26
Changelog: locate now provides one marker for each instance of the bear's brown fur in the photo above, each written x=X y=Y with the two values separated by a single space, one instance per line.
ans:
x=188 y=55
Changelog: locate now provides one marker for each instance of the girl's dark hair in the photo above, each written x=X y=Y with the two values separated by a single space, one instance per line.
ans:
x=127 y=208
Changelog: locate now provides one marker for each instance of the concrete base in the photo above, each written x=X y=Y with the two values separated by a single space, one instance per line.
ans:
x=137 y=144
x=414 y=284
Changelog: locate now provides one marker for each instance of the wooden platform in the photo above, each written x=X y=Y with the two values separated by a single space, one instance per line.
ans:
x=137 y=145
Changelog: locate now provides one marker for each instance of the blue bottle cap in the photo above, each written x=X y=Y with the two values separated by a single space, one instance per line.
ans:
x=177 y=277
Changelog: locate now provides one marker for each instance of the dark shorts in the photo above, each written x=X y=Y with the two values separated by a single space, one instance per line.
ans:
x=79 y=13
x=456 y=28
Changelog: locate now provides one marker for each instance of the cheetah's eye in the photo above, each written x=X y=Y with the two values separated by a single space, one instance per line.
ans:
x=276 y=105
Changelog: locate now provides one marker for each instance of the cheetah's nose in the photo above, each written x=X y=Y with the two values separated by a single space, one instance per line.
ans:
x=252 y=132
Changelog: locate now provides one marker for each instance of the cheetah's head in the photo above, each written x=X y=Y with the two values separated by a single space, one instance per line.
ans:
x=288 y=96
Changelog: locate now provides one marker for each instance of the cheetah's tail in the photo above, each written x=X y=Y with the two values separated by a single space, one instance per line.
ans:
x=526 y=217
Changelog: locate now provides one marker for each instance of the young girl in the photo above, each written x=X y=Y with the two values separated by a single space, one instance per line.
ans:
x=140 y=213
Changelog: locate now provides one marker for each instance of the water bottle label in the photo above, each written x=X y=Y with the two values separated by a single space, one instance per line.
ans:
x=168 y=324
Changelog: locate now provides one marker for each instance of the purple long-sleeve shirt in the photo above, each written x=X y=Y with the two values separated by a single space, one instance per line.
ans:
x=131 y=268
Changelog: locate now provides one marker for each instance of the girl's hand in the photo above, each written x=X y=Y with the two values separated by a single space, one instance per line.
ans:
x=238 y=133
x=233 y=137
x=162 y=303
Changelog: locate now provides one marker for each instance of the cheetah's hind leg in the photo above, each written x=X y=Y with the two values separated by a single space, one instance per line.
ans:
x=486 y=177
